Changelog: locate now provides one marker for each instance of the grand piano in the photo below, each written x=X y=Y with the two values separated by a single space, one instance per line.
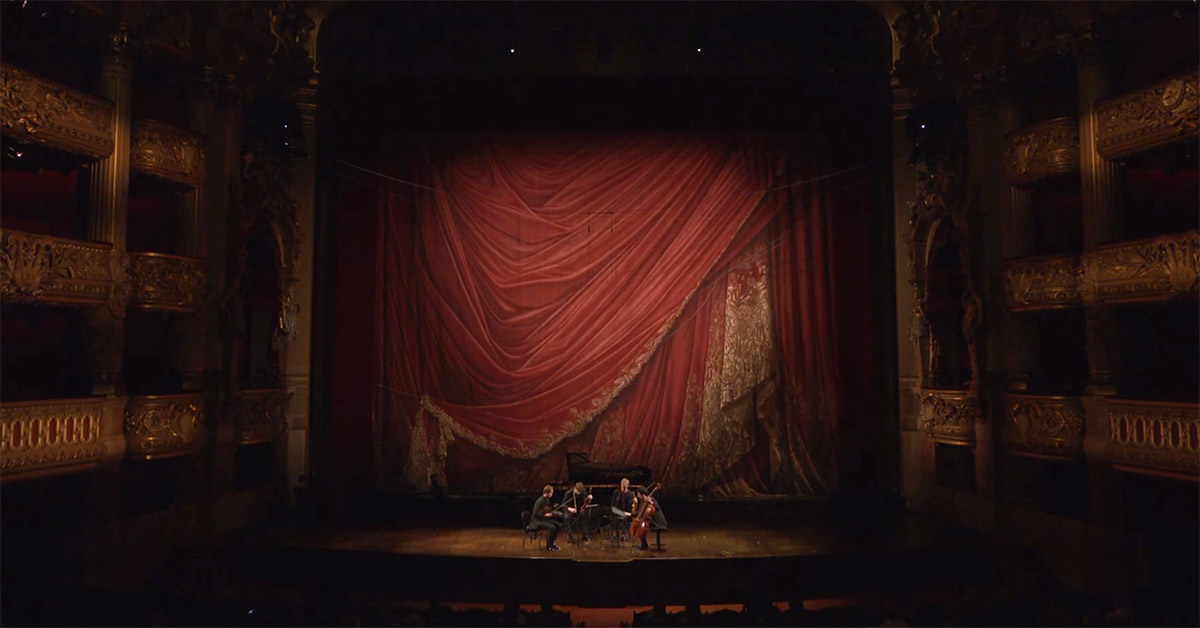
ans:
x=581 y=469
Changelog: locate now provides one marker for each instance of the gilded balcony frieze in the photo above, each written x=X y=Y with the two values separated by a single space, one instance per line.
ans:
x=1154 y=435
x=1154 y=269
x=159 y=426
x=35 y=110
x=166 y=151
x=43 y=269
x=1044 y=425
x=1166 y=112
x=1042 y=151
x=949 y=415
x=258 y=415
x=1042 y=283
x=36 y=435
x=164 y=282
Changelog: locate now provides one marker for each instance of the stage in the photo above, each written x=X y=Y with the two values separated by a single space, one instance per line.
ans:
x=455 y=550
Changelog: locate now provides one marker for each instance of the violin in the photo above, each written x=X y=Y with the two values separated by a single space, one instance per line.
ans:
x=639 y=525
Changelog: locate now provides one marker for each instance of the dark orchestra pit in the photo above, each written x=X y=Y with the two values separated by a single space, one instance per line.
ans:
x=470 y=549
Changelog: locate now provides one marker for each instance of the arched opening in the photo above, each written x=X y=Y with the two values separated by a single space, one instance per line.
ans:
x=945 y=285
x=257 y=352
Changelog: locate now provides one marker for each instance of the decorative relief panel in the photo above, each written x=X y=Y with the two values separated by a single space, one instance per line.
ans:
x=1144 y=270
x=163 y=425
x=1155 y=435
x=1043 y=150
x=258 y=415
x=167 y=151
x=35 y=434
x=949 y=415
x=38 y=111
x=43 y=269
x=167 y=282
x=1044 y=425
x=1153 y=116
x=1042 y=283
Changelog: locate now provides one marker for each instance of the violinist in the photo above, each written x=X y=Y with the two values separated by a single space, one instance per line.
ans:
x=575 y=504
x=658 y=521
x=622 y=502
x=544 y=516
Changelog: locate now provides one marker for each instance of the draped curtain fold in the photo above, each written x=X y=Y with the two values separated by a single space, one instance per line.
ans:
x=651 y=299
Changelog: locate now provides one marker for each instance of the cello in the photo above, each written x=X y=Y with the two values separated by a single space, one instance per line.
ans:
x=639 y=525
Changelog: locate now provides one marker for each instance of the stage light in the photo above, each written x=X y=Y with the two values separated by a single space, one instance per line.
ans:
x=697 y=50
x=922 y=126
x=511 y=50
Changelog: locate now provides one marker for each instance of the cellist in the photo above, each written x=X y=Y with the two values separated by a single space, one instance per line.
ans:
x=658 y=521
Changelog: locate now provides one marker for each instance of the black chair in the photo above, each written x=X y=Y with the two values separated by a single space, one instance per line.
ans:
x=531 y=534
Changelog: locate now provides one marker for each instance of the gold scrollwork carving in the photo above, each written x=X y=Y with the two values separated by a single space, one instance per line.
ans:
x=1162 y=113
x=43 y=269
x=166 y=282
x=163 y=425
x=1155 y=435
x=1042 y=150
x=1042 y=283
x=1154 y=269
x=166 y=151
x=258 y=415
x=1043 y=425
x=949 y=415
x=45 y=433
x=40 y=111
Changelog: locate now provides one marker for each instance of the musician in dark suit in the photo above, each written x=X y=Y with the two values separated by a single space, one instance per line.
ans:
x=658 y=521
x=622 y=501
x=542 y=518
x=573 y=511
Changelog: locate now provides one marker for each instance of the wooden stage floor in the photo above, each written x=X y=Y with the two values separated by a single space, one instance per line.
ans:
x=718 y=553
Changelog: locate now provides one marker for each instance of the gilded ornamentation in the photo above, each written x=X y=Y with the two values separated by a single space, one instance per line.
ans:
x=1144 y=270
x=39 y=111
x=1155 y=435
x=749 y=347
x=167 y=151
x=45 y=433
x=166 y=282
x=163 y=425
x=1165 y=112
x=1042 y=283
x=1044 y=425
x=258 y=415
x=1042 y=150
x=43 y=269
x=949 y=415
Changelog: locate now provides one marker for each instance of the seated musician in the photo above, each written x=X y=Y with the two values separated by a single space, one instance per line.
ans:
x=658 y=522
x=574 y=513
x=544 y=517
x=622 y=502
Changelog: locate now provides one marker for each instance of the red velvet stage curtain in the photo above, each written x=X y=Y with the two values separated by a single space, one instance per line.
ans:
x=540 y=295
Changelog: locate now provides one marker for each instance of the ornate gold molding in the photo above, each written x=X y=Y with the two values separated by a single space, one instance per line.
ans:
x=166 y=151
x=1154 y=435
x=258 y=415
x=1162 y=113
x=167 y=282
x=43 y=269
x=39 y=111
x=1044 y=425
x=1153 y=269
x=949 y=415
x=39 y=434
x=1042 y=283
x=163 y=425
x=1042 y=150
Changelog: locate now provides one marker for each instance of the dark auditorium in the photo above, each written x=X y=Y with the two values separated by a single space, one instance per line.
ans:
x=879 y=313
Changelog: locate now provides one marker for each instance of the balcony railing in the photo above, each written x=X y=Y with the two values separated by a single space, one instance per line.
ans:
x=47 y=270
x=171 y=283
x=1042 y=151
x=1043 y=426
x=1160 y=114
x=161 y=426
x=949 y=416
x=166 y=151
x=39 y=111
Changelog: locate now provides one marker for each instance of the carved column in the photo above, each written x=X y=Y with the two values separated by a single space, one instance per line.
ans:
x=108 y=203
x=297 y=355
x=1020 y=337
x=1101 y=192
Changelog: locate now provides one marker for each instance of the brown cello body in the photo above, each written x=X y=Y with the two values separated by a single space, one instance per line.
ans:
x=639 y=526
